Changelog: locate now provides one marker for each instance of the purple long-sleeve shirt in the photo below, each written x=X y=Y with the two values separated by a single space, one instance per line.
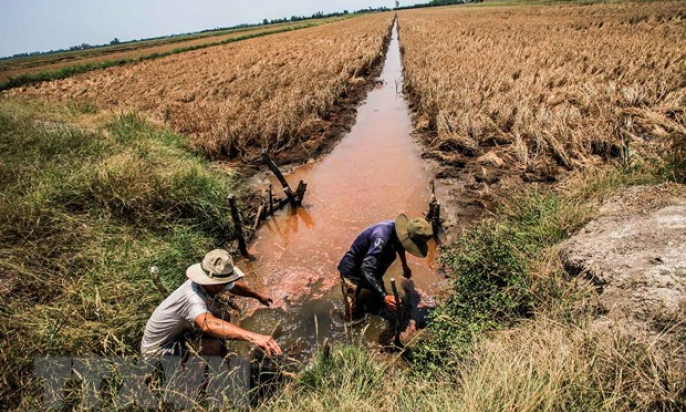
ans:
x=370 y=255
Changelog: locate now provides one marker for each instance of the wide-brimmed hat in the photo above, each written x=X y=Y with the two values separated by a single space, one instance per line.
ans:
x=414 y=234
x=216 y=269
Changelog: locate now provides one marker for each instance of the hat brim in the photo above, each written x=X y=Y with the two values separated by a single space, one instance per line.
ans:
x=418 y=249
x=199 y=276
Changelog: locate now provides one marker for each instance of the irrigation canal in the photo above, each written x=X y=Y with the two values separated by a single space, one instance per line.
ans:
x=373 y=174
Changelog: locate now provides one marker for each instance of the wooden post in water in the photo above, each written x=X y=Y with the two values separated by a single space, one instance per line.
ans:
x=300 y=192
x=271 y=201
x=398 y=315
x=286 y=188
x=236 y=217
x=433 y=216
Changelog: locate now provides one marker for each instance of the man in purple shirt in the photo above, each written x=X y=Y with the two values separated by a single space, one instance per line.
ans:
x=373 y=251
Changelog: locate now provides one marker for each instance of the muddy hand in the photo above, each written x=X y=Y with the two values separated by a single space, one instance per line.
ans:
x=266 y=301
x=390 y=303
x=268 y=344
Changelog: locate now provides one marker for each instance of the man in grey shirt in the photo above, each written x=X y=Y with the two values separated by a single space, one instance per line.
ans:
x=186 y=315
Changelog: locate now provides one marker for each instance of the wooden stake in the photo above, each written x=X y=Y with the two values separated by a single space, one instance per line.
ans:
x=271 y=201
x=300 y=192
x=236 y=217
x=286 y=188
x=398 y=314
x=433 y=216
x=432 y=188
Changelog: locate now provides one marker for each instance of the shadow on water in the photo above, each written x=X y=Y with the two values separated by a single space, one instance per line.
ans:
x=373 y=174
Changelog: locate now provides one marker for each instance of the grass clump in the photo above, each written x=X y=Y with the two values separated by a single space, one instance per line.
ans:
x=85 y=212
x=493 y=264
x=491 y=291
x=354 y=379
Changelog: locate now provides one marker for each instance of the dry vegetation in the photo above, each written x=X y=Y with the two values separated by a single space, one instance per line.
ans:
x=541 y=366
x=21 y=66
x=278 y=93
x=536 y=84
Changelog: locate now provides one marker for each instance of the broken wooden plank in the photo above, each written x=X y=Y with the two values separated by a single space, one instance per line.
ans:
x=300 y=192
x=286 y=188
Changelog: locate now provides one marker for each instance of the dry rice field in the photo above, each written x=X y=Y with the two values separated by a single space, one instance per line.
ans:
x=543 y=84
x=28 y=65
x=278 y=92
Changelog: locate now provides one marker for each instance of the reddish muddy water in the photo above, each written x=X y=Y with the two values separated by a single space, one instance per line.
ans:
x=373 y=174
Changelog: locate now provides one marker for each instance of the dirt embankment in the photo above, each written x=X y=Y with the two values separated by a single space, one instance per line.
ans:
x=635 y=253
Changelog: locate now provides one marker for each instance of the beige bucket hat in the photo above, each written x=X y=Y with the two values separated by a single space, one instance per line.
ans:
x=216 y=269
x=414 y=234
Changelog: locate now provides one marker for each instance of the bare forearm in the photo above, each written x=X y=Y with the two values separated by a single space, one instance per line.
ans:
x=240 y=289
x=221 y=329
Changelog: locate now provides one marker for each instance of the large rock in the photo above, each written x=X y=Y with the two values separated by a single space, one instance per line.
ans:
x=635 y=252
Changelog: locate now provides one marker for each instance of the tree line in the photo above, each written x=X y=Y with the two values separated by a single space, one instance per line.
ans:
x=437 y=3
x=264 y=22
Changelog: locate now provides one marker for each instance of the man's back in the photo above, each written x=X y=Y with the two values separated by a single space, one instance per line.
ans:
x=374 y=249
x=173 y=316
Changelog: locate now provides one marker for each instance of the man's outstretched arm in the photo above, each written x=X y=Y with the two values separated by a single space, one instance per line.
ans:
x=241 y=289
x=222 y=329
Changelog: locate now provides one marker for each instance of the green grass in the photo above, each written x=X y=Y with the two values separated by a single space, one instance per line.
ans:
x=84 y=214
x=69 y=71
x=492 y=265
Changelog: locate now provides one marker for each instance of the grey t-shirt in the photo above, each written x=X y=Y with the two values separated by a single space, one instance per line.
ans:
x=175 y=315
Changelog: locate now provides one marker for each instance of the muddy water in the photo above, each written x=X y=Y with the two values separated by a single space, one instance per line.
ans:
x=373 y=174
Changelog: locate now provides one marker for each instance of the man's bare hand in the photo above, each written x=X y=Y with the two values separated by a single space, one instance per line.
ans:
x=267 y=343
x=265 y=300
x=390 y=303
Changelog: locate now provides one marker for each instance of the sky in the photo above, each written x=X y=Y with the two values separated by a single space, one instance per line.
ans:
x=42 y=25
